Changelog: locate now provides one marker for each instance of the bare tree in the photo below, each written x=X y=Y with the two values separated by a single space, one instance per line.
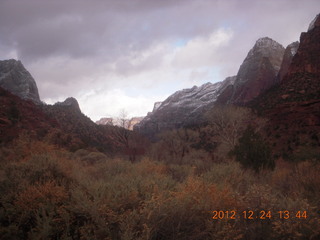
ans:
x=120 y=132
x=131 y=143
x=227 y=123
x=123 y=120
x=176 y=144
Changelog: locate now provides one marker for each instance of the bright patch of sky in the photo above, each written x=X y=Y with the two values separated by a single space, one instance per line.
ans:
x=112 y=55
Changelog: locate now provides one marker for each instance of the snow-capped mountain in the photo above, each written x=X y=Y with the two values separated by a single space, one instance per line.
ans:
x=256 y=74
x=183 y=107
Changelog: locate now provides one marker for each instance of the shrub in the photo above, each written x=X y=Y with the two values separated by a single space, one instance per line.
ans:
x=252 y=152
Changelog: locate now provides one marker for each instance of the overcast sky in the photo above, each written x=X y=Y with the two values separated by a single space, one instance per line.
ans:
x=127 y=54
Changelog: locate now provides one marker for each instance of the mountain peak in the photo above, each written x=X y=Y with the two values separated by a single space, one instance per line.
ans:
x=265 y=41
x=265 y=47
x=315 y=23
x=257 y=73
x=17 y=80
x=70 y=101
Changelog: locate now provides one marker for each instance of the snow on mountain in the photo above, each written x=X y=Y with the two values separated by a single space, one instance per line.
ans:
x=194 y=97
x=183 y=107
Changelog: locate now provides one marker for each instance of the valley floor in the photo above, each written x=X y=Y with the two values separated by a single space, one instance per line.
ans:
x=50 y=193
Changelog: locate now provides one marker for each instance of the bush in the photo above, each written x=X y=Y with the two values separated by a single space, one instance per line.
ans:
x=252 y=152
x=47 y=193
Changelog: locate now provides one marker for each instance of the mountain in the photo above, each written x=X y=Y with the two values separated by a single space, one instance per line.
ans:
x=105 y=121
x=256 y=74
x=290 y=51
x=62 y=124
x=126 y=123
x=70 y=102
x=182 y=108
x=307 y=57
x=293 y=106
x=18 y=116
x=301 y=82
x=17 y=80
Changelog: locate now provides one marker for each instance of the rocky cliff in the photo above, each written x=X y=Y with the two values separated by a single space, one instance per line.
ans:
x=105 y=121
x=293 y=107
x=257 y=73
x=307 y=58
x=17 y=80
x=127 y=123
x=290 y=51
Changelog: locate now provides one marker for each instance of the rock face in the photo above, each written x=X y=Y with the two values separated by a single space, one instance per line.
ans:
x=105 y=121
x=156 y=106
x=257 y=73
x=129 y=123
x=17 y=80
x=134 y=121
x=71 y=102
x=293 y=108
x=182 y=108
x=307 y=58
x=290 y=51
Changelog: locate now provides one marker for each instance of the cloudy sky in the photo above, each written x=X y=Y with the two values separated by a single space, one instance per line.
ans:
x=115 y=55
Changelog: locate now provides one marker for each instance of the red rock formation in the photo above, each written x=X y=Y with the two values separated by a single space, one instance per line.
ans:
x=256 y=74
x=307 y=58
x=290 y=51
x=293 y=107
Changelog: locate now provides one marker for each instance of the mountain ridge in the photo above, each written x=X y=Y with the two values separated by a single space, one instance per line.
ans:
x=256 y=74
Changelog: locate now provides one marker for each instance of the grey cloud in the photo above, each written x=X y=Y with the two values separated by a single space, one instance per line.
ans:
x=106 y=36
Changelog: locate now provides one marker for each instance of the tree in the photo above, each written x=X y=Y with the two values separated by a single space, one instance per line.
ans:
x=225 y=125
x=123 y=120
x=253 y=152
x=130 y=143
x=174 y=145
x=228 y=122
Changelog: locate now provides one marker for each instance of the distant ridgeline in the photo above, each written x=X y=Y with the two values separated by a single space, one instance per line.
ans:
x=269 y=76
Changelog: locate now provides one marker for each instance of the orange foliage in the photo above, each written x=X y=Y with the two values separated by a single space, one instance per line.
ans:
x=39 y=195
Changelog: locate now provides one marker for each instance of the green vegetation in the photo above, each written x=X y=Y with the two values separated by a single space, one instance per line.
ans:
x=253 y=152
